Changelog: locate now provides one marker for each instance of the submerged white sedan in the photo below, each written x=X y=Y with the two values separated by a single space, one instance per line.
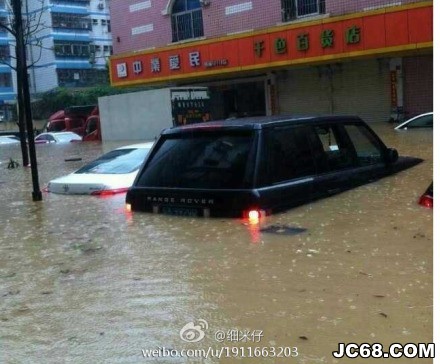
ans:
x=420 y=121
x=9 y=139
x=57 y=137
x=112 y=173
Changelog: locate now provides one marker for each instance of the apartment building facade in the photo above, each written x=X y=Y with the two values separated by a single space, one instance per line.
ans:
x=71 y=43
x=372 y=58
x=7 y=89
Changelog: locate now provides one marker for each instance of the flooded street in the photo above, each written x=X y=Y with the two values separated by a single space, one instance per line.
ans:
x=82 y=281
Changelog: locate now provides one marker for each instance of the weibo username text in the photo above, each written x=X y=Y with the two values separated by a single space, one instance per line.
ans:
x=224 y=352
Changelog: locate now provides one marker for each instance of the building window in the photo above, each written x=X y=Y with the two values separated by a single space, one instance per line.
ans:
x=71 y=21
x=186 y=20
x=4 y=22
x=95 y=21
x=81 y=78
x=4 y=53
x=72 y=49
x=5 y=80
x=294 y=9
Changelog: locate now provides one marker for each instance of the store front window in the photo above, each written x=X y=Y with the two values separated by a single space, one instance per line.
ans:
x=238 y=100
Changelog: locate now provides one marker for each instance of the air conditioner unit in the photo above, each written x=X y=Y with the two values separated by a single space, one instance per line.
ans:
x=101 y=6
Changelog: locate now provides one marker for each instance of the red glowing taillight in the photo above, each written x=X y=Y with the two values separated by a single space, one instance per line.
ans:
x=254 y=216
x=109 y=192
x=427 y=201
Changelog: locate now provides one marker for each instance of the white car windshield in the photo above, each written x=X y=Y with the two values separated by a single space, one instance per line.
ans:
x=119 y=161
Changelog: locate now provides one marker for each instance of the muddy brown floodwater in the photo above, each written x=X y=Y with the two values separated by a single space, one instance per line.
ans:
x=81 y=281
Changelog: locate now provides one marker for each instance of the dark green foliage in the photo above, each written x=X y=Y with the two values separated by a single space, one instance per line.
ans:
x=60 y=98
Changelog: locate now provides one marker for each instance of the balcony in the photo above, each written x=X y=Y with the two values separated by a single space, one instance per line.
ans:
x=71 y=2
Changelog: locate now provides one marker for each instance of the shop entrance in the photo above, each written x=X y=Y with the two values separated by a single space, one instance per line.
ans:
x=238 y=100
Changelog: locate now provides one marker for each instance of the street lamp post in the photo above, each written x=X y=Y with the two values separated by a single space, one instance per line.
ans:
x=23 y=91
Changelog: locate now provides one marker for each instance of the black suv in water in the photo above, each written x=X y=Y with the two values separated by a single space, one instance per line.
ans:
x=261 y=164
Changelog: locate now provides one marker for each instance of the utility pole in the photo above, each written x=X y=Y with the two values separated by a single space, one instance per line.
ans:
x=23 y=93
x=21 y=124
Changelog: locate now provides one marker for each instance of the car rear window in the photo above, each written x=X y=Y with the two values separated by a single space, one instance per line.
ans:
x=202 y=160
x=119 y=161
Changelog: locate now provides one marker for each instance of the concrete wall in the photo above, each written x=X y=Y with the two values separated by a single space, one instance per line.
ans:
x=135 y=116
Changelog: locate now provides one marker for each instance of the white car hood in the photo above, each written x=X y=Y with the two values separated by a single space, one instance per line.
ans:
x=87 y=183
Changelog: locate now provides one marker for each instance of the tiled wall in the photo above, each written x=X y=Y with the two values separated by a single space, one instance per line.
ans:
x=144 y=24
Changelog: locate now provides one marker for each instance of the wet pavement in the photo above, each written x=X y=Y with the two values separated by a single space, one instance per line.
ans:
x=82 y=281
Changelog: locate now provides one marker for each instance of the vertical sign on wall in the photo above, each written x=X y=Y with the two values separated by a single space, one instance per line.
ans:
x=393 y=84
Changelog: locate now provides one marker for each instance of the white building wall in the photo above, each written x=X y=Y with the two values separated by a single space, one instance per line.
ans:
x=43 y=74
x=100 y=34
x=135 y=116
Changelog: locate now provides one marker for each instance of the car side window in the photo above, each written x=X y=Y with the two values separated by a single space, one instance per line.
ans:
x=335 y=151
x=92 y=126
x=290 y=155
x=50 y=138
x=368 y=150
x=41 y=137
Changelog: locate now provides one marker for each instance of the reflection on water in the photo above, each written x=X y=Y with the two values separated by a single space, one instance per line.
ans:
x=82 y=281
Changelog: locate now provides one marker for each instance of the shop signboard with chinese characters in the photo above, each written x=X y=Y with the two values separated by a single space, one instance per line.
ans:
x=379 y=32
x=190 y=111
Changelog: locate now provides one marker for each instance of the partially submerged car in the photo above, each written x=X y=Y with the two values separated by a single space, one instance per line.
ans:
x=261 y=165
x=9 y=139
x=57 y=137
x=111 y=173
x=420 y=121
x=427 y=199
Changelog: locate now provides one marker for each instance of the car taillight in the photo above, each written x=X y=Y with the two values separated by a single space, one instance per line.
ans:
x=109 y=192
x=426 y=201
x=254 y=215
x=128 y=207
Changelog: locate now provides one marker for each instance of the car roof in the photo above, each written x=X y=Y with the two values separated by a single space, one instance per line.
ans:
x=260 y=122
x=58 y=133
x=146 y=145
